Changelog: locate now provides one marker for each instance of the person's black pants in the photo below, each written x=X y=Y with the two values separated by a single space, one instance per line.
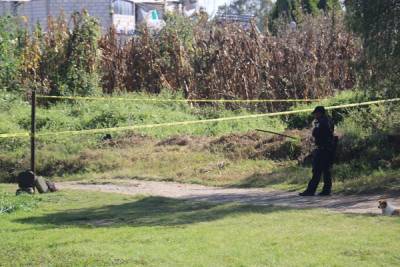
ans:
x=321 y=165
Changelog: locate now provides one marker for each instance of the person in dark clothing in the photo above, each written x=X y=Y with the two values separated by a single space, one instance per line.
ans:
x=323 y=134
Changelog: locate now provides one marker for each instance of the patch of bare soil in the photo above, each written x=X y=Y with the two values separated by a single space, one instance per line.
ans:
x=254 y=145
x=251 y=145
x=131 y=139
x=176 y=141
x=255 y=196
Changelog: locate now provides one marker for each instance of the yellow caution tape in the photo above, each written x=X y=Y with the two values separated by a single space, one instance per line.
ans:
x=23 y=134
x=179 y=100
x=147 y=126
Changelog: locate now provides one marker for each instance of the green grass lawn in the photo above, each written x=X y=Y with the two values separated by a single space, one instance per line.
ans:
x=79 y=229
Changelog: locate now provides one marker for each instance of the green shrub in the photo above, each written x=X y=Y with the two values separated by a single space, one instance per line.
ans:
x=365 y=144
x=106 y=119
x=82 y=57
x=11 y=44
x=303 y=120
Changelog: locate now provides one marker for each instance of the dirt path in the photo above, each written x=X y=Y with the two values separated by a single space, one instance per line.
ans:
x=350 y=204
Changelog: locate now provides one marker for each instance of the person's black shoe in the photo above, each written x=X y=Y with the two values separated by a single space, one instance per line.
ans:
x=324 y=194
x=306 y=194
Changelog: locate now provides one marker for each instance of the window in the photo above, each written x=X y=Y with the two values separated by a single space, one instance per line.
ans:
x=124 y=7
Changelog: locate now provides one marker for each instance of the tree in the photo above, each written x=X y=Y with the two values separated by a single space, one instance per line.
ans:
x=286 y=8
x=378 y=24
x=293 y=9
x=328 y=5
x=310 y=6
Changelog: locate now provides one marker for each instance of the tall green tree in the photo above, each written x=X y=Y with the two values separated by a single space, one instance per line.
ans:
x=310 y=6
x=378 y=24
x=290 y=9
x=293 y=9
x=328 y=5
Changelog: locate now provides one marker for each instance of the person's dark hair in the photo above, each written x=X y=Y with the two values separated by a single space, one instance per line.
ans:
x=319 y=109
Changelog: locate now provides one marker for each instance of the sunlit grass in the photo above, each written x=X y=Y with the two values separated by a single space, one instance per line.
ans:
x=98 y=229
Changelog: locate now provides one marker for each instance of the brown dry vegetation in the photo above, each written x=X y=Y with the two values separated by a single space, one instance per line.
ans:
x=188 y=157
x=62 y=59
x=203 y=59
x=226 y=61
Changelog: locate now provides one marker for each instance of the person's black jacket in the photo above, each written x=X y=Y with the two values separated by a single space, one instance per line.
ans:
x=323 y=133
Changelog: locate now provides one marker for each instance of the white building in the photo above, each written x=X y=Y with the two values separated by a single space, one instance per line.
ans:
x=125 y=15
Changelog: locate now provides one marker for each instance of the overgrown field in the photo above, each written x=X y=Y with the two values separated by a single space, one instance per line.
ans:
x=324 y=55
x=190 y=58
x=226 y=153
x=193 y=56
x=98 y=229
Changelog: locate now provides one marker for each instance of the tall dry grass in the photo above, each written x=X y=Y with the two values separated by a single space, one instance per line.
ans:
x=227 y=61
x=202 y=59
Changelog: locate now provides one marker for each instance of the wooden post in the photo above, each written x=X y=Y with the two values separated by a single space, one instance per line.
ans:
x=33 y=130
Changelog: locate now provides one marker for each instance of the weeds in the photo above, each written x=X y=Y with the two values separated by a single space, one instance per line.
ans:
x=11 y=43
x=368 y=142
x=211 y=61
x=58 y=61
x=10 y=203
x=197 y=58
x=188 y=59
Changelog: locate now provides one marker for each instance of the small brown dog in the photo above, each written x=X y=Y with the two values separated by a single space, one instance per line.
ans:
x=388 y=209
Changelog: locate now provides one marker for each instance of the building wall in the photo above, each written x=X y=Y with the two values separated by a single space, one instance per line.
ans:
x=38 y=10
x=5 y=8
x=101 y=9
x=35 y=12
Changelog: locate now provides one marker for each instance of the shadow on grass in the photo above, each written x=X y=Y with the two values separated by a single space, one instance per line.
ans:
x=295 y=175
x=148 y=211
